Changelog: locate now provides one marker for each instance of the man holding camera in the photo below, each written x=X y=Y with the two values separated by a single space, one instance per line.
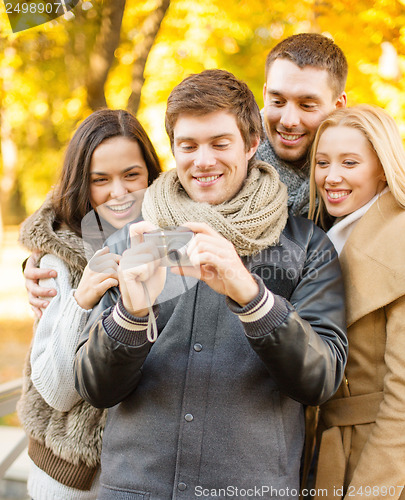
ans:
x=214 y=406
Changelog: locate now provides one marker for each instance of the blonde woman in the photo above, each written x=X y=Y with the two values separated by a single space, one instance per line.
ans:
x=358 y=177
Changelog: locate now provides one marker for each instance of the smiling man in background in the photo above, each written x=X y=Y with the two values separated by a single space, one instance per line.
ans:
x=305 y=81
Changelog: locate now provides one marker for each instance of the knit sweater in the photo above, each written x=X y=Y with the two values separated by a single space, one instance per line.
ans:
x=64 y=431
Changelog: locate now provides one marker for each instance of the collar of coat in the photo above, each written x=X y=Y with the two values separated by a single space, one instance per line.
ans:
x=372 y=259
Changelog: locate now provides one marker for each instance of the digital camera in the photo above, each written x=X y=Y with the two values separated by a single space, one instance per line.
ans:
x=171 y=243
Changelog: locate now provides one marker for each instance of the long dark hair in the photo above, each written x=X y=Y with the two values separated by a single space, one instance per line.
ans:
x=71 y=196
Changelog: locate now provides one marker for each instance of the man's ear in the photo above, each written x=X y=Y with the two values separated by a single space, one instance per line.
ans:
x=341 y=101
x=254 y=144
x=264 y=92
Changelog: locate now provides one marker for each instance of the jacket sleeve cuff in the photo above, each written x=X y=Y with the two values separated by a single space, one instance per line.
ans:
x=125 y=328
x=263 y=314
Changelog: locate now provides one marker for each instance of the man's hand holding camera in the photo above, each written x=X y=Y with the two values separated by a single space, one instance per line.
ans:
x=216 y=262
x=140 y=264
x=213 y=259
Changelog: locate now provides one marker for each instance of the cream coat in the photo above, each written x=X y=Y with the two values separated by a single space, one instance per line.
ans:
x=362 y=452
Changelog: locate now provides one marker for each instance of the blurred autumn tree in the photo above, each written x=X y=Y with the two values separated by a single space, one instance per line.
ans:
x=53 y=76
x=131 y=54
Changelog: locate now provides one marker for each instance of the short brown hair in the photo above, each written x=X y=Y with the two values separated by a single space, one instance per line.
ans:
x=71 y=197
x=313 y=49
x=215 y=90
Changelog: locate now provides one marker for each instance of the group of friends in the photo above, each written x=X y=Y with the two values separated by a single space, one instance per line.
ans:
x=150 y=382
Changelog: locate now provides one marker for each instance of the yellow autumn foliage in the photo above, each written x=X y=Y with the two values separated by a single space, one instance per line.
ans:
x=43 y=70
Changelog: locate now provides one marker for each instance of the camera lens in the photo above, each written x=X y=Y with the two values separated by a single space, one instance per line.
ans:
x=177 y=249
x=174 y=255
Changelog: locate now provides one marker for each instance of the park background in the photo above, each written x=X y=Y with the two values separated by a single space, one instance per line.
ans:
x=130 y=55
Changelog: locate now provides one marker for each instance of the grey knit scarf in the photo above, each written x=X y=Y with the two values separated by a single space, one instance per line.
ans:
x=252 y=220
x=296 y=180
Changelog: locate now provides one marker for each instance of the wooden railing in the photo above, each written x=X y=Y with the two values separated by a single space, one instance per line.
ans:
x=9 y=395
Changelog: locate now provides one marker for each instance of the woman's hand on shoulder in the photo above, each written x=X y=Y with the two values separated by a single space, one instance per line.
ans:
x=100 y=274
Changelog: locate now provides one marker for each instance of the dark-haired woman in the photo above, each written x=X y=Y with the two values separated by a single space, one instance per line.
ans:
x=108 y=163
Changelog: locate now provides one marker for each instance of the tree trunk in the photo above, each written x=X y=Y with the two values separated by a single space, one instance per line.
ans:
x=320 y=8
x=149 y=32
x=11 y=206
x=102 y=55
x=10 y=192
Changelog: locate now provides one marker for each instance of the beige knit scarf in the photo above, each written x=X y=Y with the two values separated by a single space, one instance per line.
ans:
x=253 y=220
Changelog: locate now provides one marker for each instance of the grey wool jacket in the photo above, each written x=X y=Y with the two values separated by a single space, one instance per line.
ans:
x=214 y=408
x=65 y=445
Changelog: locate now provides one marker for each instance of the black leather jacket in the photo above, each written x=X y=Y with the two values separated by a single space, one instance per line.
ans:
x=241 y=386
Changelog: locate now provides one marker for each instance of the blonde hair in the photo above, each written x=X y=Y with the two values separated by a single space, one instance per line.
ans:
x=383 y=135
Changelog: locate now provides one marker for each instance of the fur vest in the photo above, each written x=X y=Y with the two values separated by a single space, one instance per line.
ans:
x=65 y=445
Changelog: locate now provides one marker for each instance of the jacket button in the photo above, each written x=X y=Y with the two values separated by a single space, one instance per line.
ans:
x=189 y=417
x=198 y=347
x=182 y=486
